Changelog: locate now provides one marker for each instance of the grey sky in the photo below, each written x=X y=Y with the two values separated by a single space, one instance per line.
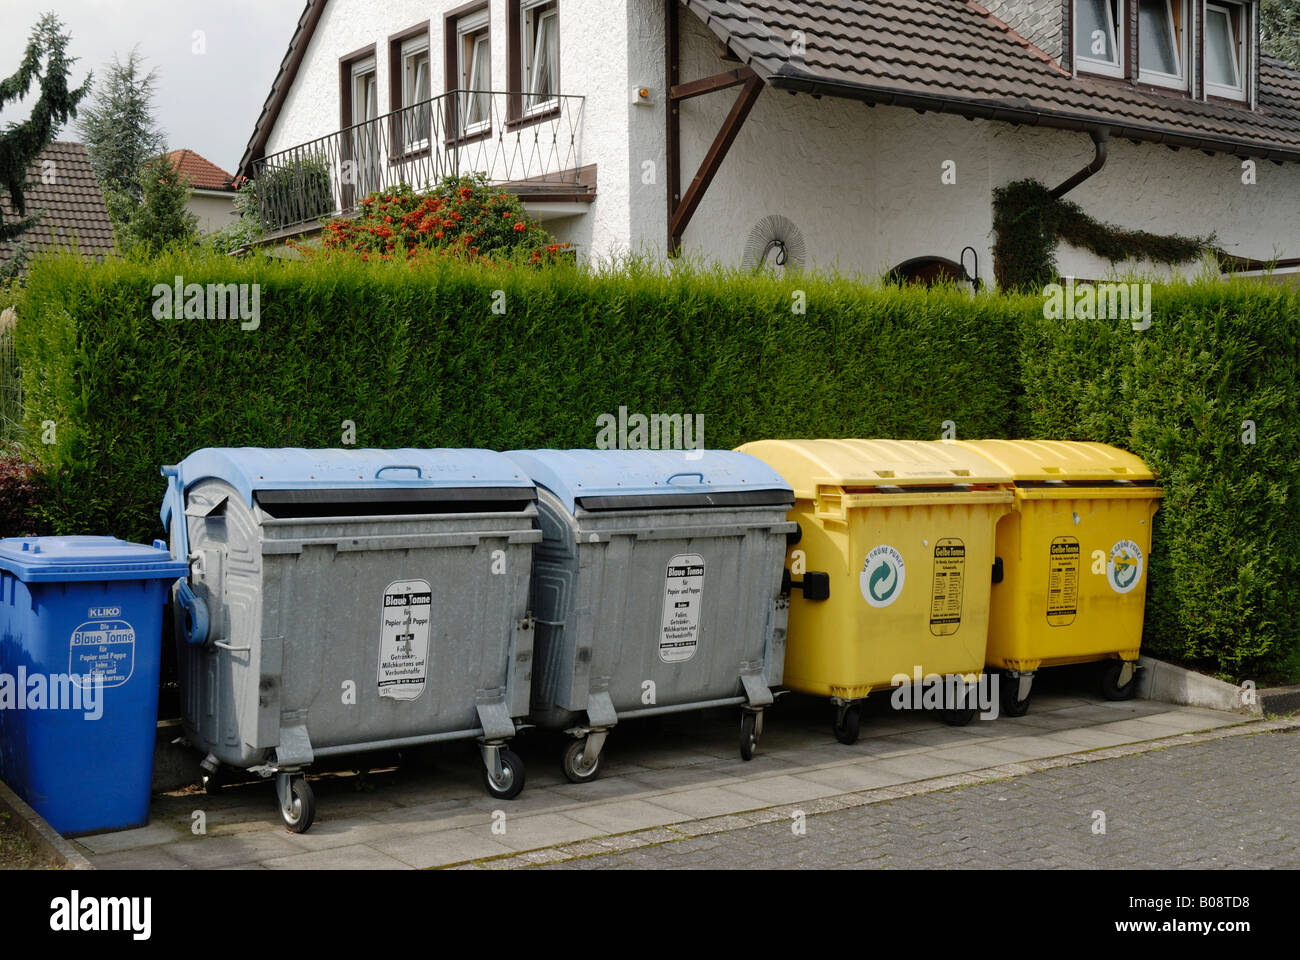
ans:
x=205 y=102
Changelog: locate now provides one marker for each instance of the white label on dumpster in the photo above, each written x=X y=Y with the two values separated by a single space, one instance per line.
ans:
x=103 y=648
x=683 y=596
x=404 y=639
x=1124 y=568
x=882 y=576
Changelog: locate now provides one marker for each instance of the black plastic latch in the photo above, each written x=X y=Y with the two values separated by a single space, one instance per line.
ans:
x=997 y=569
x=815 y=586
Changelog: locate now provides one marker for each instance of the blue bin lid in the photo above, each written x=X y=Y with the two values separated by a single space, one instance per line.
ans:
x=628 y=479
x=69 y=559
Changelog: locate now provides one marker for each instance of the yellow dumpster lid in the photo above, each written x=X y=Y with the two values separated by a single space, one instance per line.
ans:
x=1065 y=461
x=806 y=464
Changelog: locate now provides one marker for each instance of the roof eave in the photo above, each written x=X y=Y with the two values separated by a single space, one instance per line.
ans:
x=799 y=82
x=284 y=78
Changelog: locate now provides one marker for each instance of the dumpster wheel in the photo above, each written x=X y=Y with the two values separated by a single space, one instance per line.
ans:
x=510 y=782
x=750 y=729
x=298 y=808
x=211 y=783
x=846 y=724
x=1111 y=688
x=1009 y=689
x=575 y=766
x=957 y=718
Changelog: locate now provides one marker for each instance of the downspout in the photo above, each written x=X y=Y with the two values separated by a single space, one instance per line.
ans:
x=1100 y=142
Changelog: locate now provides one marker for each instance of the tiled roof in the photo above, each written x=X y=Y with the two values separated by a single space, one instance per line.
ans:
x=70 y=203
x=201 y=173
x=952 y=55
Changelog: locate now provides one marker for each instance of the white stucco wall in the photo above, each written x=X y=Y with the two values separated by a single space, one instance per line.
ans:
x=863 y=184
x=594 y=49
x=213 y=210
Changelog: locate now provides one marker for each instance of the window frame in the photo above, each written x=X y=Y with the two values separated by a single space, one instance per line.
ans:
x=470 y=37
x=458 y=25
x=533 y=13
x=518 y=19
x=1241 y=50
x=349 y=66
x=1180 y=36
x=402 y=47
x=1116 y=10
x=352 y=66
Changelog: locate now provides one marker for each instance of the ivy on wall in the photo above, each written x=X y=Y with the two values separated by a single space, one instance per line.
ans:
x=1029 y=223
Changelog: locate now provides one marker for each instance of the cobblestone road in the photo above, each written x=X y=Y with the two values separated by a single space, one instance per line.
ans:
x=1230 y=803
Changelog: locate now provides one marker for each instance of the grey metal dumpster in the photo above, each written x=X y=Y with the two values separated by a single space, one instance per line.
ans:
x=349 y=600
x=656 y=588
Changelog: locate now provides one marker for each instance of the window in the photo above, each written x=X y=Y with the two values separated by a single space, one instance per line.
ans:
x=469 y=71
x=361 y=107
x=411 y=86
x=1099 y=37
x=1162 y=42
x=474 y=72
x=365 y=92
x=540 y=54
x=1225 y=50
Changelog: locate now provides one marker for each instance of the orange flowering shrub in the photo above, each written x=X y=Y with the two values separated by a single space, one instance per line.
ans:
x=463 y=218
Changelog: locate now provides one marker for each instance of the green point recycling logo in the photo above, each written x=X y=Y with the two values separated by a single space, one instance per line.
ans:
x=883 y=573
x=1124 y=568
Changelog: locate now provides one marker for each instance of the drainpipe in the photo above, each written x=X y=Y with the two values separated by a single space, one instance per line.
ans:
x=1100 y=140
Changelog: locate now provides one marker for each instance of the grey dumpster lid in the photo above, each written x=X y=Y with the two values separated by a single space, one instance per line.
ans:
x=252 y=470
x=632 y=479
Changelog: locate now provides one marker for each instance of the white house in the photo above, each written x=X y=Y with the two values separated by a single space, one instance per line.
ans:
x=212 y=190
x=862 y=135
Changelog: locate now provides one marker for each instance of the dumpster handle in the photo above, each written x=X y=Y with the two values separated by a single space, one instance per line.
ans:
x=195 y=629
x=419 y=474
x=676 y=476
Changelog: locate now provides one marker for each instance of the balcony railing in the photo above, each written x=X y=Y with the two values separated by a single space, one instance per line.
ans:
x=516 y=142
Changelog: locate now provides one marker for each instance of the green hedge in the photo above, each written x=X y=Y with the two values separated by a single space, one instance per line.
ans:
x=418 y=358
x=1225 y=568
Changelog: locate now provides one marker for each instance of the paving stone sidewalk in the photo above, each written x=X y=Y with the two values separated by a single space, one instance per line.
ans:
x=680 y=777
x=1217 y=803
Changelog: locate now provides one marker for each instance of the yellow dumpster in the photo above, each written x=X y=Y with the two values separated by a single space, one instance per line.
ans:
x=893 y=568
x=1074 y=553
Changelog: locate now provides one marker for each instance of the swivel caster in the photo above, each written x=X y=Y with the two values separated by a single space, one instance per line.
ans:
x=1119 y=680
x=297 y=802
x=578 y=767
x=751 y=728
x=847 y=724
x=503 y=772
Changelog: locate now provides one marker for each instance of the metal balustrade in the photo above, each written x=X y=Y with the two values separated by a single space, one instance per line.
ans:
x=515 y=139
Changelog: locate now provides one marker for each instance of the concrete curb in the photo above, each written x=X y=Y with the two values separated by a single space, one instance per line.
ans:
x=1173 y=684
x=738 y=821
x=40 y=833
